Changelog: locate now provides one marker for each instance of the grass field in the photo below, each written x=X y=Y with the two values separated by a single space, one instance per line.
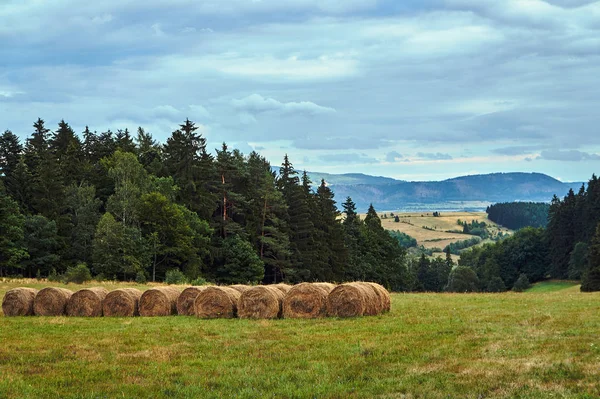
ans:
x=530 y=345
x=435 y=235
x=551 y=286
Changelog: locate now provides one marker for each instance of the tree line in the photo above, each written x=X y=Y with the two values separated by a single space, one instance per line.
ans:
x=516 y=215
x=125 y=205
x=568 y=248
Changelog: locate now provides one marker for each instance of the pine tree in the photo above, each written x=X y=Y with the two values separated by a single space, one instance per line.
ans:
x=265 y=220
x=43 y=245
x=330 y=235
x=301 y=229
x=183 y=160
x=124 y=141
x=229 y=217
x=149 y=152
x=591 y=278
x=242 y=265
x=21 y=190
x=12 y=223
x=10 y=155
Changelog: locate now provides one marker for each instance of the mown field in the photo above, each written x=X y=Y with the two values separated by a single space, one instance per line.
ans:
x=529 y=345
x=432 y=232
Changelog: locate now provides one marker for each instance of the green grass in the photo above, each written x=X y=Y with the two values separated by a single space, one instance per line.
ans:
x=429 y=346
x=552 y=286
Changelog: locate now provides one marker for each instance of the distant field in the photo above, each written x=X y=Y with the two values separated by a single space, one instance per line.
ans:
x=413 y=223
x=552 y=286
x=530 y=345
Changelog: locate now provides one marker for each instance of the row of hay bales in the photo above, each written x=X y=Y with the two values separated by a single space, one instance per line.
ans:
x=305 y=300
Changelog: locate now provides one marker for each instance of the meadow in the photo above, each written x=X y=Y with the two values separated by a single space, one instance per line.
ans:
x=538 y=344
x=432 y=232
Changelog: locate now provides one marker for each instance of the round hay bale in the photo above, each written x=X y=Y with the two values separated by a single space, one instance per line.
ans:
x=51 y=301
x=87 y=302
x=305 y=301
x=350 y=300
x=384 y=296
x=185 y=302
x=240 y=287
x=373 y=303
x=123 y=302
x=284 y=288
x=159 y=301
x=19 y=302
x=328 y=286
x=260 y=302
x=217 y=303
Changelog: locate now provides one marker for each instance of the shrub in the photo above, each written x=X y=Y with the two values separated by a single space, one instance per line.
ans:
x=521 y=284
x=462 y=279
x=140 y=277
x=496 y=284
x=78 y=274
x=175 y=276
x=53 y=276
x=199 y=281
x=38 y=275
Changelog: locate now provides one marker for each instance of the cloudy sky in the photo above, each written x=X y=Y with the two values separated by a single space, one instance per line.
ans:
x=412 y=89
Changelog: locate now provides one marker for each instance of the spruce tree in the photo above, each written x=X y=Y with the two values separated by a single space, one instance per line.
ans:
x=12 y=250
x=300 y=225
x=10 y=155
x=330 y=235
x=591 y=277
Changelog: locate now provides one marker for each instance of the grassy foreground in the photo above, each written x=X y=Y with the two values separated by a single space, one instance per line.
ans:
x=530 y=345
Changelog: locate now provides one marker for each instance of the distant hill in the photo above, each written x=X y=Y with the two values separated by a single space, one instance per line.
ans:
x=351 y=179
x=473 y=193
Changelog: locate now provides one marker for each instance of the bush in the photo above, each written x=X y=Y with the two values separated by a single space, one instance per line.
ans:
x=521 y=284
x=199 y=281
x=53 y=276
x=140 y=277
x=496 y=285
x=175 y=276
x=78 y=274
x=462 y=279
x=38 y=275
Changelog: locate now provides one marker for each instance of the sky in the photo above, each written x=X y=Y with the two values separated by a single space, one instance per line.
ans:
x=412 y=89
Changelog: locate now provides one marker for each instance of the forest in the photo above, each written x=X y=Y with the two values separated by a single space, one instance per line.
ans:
x=126 y=207
x=516 y=215
x=568 y=248
x=131 y=208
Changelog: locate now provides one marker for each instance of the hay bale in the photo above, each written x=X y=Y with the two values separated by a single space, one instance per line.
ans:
x=51 y=301
x=284 y=288
x=261 y=302
x=159 y=301
x=87 y=302
x=373 y=303
x=19 y=302
x=352 y=300
x=217 y=303
x=384 y=296
x=241 y=288
x=123 y=302
x=328 y=286
x=185 y=302
x=306 y=301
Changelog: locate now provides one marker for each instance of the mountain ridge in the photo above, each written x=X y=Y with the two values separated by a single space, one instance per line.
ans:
x=470 y=192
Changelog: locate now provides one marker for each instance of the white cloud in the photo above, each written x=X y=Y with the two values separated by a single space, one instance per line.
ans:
x=257 y=104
